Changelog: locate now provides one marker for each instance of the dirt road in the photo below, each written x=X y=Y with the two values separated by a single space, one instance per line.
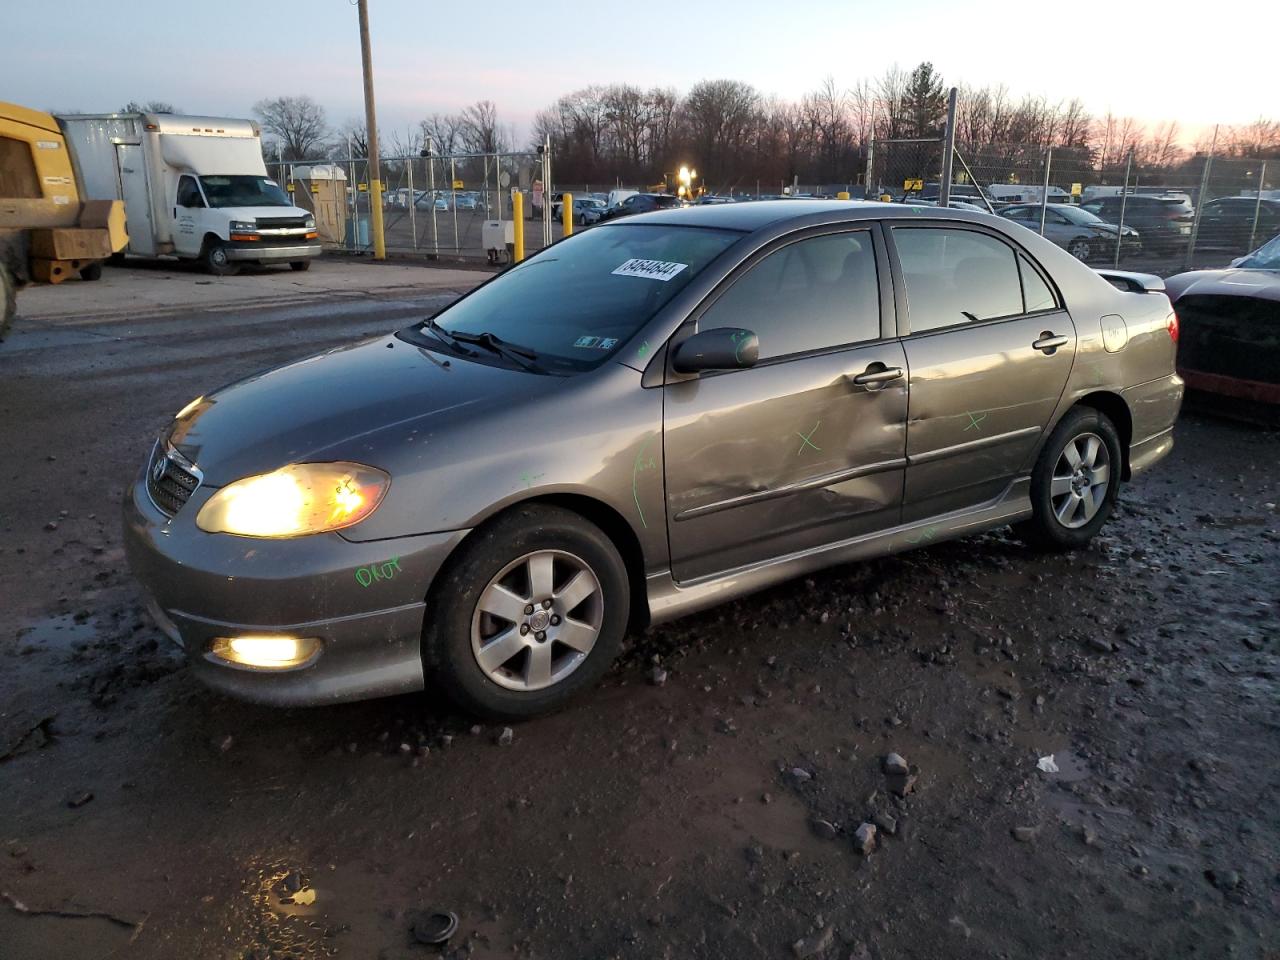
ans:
x=708 y=799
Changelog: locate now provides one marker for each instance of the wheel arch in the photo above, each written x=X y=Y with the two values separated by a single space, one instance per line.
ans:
x=1117 y=411
x=611 y=523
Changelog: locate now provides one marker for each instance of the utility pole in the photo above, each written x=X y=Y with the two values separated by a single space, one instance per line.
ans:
x=948 y=150
x=371 y=130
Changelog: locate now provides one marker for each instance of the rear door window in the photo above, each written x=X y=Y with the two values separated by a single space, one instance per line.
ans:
x=956 y=276
x=1036 y=294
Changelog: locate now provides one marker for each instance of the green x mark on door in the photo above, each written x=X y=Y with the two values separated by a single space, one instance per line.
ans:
x=973 y=422
x=806 y=439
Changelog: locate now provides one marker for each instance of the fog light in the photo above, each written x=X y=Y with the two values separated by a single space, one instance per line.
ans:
x=266 y=652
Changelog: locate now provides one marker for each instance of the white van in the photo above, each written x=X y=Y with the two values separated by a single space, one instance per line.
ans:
x=193 y=187
x=617 y=196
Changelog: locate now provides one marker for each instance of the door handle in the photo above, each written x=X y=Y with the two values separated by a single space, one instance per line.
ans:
x=875 y=374
x=1048 y=343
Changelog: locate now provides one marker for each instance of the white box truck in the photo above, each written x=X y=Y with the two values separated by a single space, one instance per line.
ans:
x=195 y=188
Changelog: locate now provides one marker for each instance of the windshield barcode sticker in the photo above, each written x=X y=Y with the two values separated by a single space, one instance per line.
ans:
x=650 y=269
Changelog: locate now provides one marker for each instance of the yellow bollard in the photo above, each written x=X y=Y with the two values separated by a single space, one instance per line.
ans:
x=375 y=215
x=842 y=195
x=566 y=212
x=517 y=223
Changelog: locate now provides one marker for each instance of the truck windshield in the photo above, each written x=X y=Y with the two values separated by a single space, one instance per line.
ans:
x=244 y=191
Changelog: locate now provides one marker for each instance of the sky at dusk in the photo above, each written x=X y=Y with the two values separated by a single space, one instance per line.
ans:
x=431 y=57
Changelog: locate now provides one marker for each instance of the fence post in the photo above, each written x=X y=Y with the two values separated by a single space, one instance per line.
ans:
x=413 y=207
x=517 y=226
x=431 y=195
x=1204 y=188
x=1124 y=199
x=1044 y=197
x=1257 y=207
x=949 y=150
x=566 y=213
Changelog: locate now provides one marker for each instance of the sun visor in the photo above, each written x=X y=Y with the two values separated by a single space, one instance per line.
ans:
x=213 y=155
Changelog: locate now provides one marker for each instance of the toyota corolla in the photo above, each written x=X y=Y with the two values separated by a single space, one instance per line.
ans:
x=643 y=420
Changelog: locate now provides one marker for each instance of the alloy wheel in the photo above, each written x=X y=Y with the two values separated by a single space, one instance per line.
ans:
x=1080 y=480
x=537 y=620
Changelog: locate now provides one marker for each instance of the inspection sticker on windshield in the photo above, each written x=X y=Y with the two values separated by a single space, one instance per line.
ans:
x=650 y=269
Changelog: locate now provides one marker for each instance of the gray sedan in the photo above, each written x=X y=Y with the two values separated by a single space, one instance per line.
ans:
x=1082 y=234
x=644 y=420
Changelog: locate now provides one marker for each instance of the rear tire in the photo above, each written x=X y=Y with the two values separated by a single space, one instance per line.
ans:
x=483 y=648
x=214 y=260
x=92 y=272
x=1074 y=483
x=300 y=265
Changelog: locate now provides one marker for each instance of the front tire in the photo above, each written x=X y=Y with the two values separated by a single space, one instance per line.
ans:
x=300 y=265
x=1080 y=249
x=530 y=612
x=214 y=260
x=8 y=299
x=1075 y=482
x=92 y=272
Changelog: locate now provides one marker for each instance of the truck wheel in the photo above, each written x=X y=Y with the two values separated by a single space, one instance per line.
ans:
x=92 y=272
x=300 y=265
x=8 y=299
x=215 y=261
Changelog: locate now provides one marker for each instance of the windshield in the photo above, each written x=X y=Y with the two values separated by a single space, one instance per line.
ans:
x=581 y=300
x=1076 y=215
x=1266 y=257
x=243 y=191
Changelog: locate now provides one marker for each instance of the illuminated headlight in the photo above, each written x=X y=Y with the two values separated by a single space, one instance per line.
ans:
x=265 y=652
x=310 y=223
x=243 y=225
x=294 y=501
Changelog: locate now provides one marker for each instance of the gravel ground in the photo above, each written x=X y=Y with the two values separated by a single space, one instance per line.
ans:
x=966 y=751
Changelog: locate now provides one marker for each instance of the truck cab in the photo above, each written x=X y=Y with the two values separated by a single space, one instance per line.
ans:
x=195 y=188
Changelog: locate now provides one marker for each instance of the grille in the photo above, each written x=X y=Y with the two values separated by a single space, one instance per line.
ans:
x=171 y=489
x=281 y=221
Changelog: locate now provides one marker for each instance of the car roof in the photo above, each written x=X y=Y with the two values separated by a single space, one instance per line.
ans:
x=757 y=214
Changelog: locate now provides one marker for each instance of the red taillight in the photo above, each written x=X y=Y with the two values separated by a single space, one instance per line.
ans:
x=1172 y=326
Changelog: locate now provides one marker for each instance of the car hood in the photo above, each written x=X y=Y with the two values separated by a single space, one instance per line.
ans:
x=1259 y=284
x=329 y=406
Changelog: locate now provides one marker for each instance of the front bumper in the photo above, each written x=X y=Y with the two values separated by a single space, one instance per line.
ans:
x=205 y=586
x=256 y=250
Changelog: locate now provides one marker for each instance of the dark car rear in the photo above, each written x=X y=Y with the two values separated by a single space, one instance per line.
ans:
x=1164 y=222
x=1237 y=224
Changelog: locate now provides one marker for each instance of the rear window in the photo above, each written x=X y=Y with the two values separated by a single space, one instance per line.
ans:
x=1182 y=206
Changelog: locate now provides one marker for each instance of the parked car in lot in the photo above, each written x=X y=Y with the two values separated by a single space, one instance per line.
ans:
x=641 y=203
x=1082 y=234
x=1164 y=223
x=644 y=420
x=468 y=201
x=1229 y=222
x=1230 y=323
x=586 y=209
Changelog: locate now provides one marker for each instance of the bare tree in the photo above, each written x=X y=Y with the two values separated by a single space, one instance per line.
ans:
x=442 y=133
x=296 y=123
x=719 y=116
x=150 y=106
x=479 y=129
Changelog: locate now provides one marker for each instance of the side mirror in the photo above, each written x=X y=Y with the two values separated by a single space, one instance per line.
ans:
x=724 y=348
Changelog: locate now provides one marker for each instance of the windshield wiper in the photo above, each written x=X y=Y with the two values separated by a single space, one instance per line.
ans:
x=522 y=356
x=446 y=337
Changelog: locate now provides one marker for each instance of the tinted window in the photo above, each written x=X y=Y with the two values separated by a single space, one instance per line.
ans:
x=1035 y=292
x=956 y=276
x=576 y=303
x=809 y=295
x=189 y=193
x=18 y=177
x=1018 y=213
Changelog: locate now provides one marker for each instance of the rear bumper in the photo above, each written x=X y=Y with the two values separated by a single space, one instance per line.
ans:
x=1154 y=407
x=202 y=586
x=1254 y=390
x=249 y=250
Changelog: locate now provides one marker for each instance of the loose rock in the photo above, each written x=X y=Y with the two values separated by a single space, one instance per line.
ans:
x=814 y=945
x=506 y=737
x=894 y=763
x=864 y=839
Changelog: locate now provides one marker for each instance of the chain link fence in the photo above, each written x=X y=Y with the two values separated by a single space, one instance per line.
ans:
x=1203 y=211
x=440 y=207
